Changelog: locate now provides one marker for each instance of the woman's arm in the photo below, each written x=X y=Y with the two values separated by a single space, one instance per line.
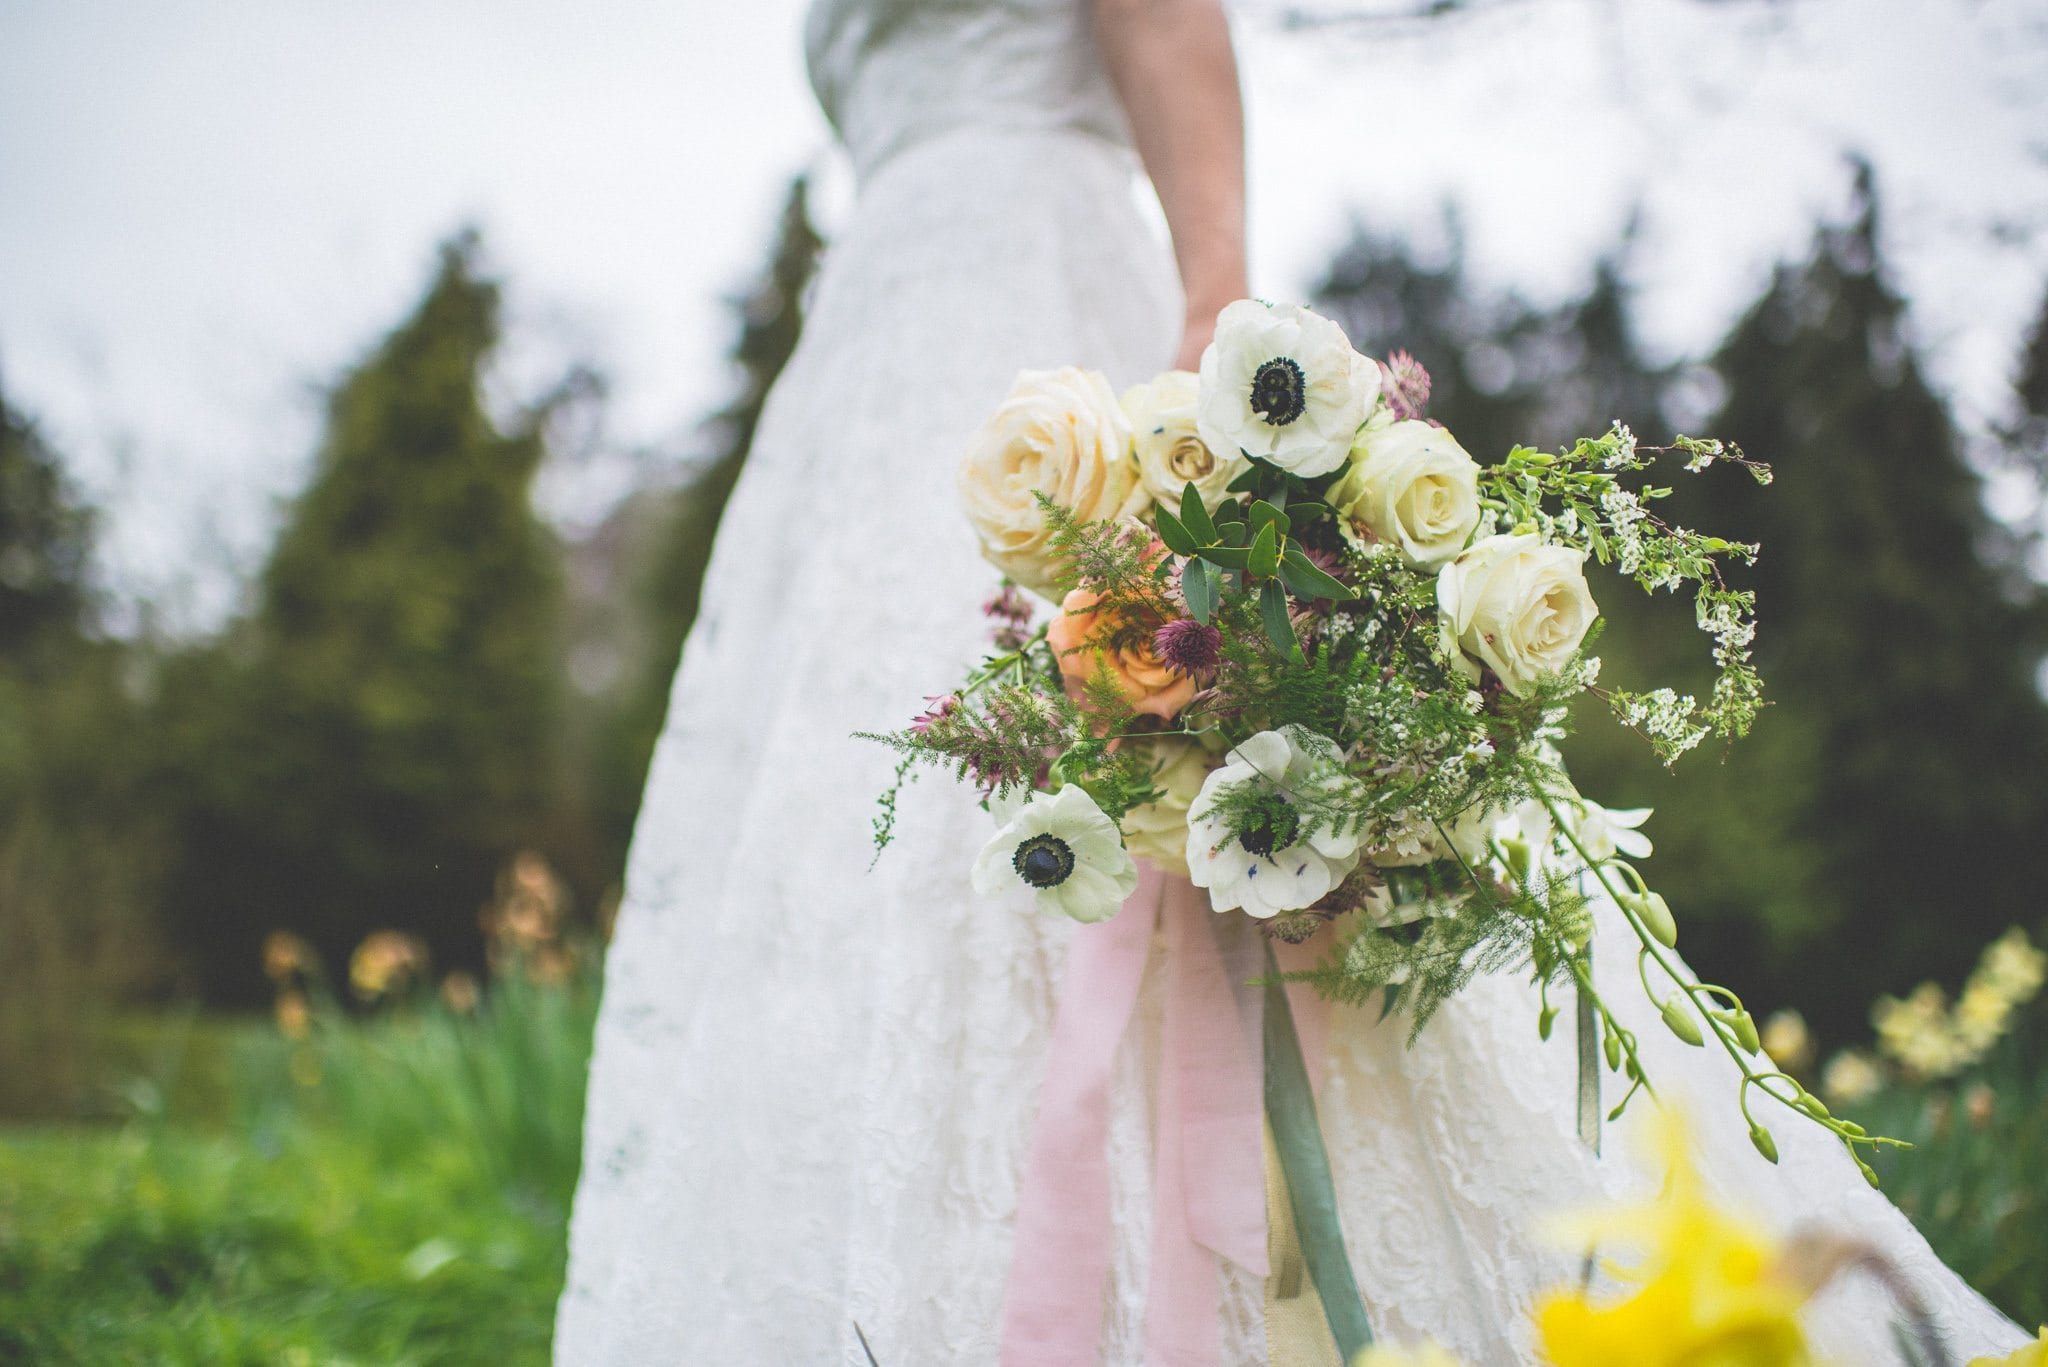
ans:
x=1173 y=69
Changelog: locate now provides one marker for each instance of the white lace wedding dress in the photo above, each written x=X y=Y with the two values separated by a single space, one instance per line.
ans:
x=814 y=1080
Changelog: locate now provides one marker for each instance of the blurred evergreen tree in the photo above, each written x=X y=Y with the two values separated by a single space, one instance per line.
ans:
x=368 y=746
x=2022 y=453
x=45 y=542
x=677 y=531
x=78 y=837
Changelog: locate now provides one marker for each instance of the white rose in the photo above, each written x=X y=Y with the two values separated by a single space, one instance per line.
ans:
x=1158 y=831
x=1059 y=433
x=1515 y=605
x=1412 y=487
x=1171 y=452
x=1283 y=384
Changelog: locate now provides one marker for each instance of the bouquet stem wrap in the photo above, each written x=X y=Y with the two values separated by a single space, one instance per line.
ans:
x=1209 y=1187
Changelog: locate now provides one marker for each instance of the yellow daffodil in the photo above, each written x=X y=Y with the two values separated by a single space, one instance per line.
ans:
x=2034 y=1354
x=1929 y=1040
x=1851 y=1076
x=1709 y=1292
x=385 y=962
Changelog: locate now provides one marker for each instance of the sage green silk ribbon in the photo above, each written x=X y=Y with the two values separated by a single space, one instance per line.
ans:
x=1589 y=1071
x=1298 y=1140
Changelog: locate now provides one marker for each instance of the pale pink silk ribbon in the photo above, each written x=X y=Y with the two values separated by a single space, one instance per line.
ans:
x=1209 y=1192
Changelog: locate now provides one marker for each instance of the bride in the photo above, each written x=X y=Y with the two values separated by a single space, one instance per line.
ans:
x=814 y=1080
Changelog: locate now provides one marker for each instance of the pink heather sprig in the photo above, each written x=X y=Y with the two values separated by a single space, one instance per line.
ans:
x=1011 y=613
x=942 y=706
x=1405 y=385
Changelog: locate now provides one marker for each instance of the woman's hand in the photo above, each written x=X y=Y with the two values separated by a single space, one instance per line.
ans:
x=1175 y=73
x=1199 y=329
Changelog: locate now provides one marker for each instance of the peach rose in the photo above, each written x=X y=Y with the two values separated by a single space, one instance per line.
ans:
x=1150 y=684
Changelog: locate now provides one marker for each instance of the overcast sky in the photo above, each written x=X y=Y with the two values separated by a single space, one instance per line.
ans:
x=209 y=207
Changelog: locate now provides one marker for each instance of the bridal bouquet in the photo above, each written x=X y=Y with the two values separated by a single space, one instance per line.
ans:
x=1308 y=651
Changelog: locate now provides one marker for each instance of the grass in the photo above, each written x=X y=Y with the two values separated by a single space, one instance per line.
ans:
x=1973 y=1183
x=391 y=1192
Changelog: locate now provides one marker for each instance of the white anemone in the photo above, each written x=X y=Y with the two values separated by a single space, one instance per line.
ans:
x=1278 y=867
x=1062 y=847
x=1283 y=384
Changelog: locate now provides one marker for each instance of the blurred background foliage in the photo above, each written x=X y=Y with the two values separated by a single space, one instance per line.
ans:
x=410 y=767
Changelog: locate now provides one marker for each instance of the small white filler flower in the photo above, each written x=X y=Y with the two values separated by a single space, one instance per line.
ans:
x=1283 y=384
x=1064 y=848
x=1274 y=866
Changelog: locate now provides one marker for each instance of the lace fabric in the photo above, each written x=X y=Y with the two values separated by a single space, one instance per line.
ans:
x=814 y=1080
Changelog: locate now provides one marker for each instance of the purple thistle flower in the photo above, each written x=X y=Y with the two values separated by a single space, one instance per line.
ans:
x=1406 y=385
x=1189 y=647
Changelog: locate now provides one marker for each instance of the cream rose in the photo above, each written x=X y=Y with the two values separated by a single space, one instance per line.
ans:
x=1515 y=605
x=1171 y=452
x=1412 y=487
x=1059 y=433
x=1158 y=831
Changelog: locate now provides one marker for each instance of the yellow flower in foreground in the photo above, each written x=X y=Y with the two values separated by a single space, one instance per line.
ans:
x=2034 y=1354
x=1710 y=1292
x=1389 y=1355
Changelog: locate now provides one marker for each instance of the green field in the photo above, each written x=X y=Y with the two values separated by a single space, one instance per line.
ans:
x=390 y=1192
x=393 y=1191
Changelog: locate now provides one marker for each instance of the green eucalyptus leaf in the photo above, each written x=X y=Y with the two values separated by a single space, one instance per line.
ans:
x=1273 y=610
x=1194 y=516
x=1305 y=579
x=1306 y=510
x=1201 y=583
x=1265 y=556
x=1172 y=532
x=1263 y=513
x=1229 y=557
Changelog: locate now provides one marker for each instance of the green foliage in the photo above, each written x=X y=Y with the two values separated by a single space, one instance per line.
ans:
x=79 y=841
x=1436 y=937
x=1576 y=497
x=368 y=745
x=45 y=540
x=392 y=1191
x=1970 y=1182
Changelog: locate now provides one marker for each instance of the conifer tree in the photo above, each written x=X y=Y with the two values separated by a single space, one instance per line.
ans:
x=77 y=832
x=382 y=731
x=45 y=541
